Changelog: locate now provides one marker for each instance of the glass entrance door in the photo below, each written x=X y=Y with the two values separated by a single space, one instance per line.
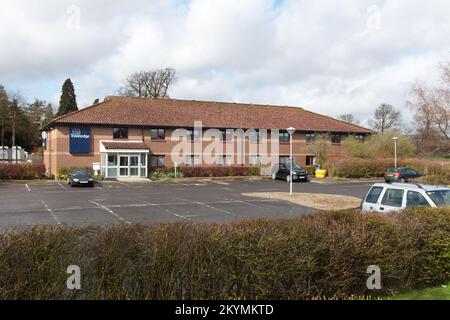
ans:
x=123 y=166
x=134 y=165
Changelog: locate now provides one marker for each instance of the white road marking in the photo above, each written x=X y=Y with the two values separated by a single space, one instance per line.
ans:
x=51 y=213
x=221 y=182
x=110 y=211
x=244 y=202
x=209 y=206
x=62 y=186
x=28 y=188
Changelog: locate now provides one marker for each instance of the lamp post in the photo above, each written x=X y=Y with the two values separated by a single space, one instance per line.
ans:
x=395 y=139
x=291 y=132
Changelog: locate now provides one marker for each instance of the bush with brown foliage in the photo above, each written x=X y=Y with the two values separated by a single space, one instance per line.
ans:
x=21 y=171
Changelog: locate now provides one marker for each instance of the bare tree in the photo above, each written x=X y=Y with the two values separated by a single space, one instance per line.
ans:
x=431 y=106
x=385 y=118
x=149 y=84
x=320 y=148
x=348 y=118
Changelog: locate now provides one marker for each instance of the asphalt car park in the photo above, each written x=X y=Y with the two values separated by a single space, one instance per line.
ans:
x=201 y=201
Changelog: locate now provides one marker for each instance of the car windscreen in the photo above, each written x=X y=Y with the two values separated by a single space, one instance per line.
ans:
x=440 y=197
x=294 y=167
x=81 y=174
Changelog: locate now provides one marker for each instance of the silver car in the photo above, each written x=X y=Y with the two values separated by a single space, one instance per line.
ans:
x=384 y=197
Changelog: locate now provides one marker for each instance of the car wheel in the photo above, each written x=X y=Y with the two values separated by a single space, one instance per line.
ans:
x=274 y=176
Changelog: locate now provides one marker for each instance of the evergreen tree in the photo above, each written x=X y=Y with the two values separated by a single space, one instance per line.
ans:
x=68 y=101
x=3 y=114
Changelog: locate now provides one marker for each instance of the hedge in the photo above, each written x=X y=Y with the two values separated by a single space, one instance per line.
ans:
x=208 y=171
x=434 y=171
x=324 y=255
x=21 y=171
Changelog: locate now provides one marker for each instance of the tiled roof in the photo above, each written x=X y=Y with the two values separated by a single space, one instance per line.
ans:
x=183 y=113
x=124 y=145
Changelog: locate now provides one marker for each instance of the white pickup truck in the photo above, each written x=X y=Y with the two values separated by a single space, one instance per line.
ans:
x=384 y=197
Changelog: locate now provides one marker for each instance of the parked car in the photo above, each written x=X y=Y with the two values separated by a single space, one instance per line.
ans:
x=282 y=171
x=402 y=174
x=388 y=197
x=80 y=177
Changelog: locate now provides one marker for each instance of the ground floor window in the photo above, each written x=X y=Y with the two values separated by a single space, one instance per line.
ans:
x=310 y=160
x=284 y=160
x=157 y=161
x=254 y=160
x=124 y=165
x=225 y=160
x=192 y=160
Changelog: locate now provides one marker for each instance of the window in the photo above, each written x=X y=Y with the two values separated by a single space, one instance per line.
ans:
x=335 y=138
x=440 y=198
x=359 y=137
x=415 y=199
x=284 y=159
x=255 y=160
x=393 y=198
x=143 y=159
x=284 y=137
x=193 y=135
x=374 y=194
x=158 y=134
x=120 y=133
x=157 y=161
x=225 y=160
x=310 y=137
x=193 y=160
x=225 y=136
x=112 y=160
x=310 y=160
x=255 y=136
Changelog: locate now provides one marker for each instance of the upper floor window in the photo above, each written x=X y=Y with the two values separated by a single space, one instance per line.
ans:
x=255 y=136
x=284 y=137
x=335 y=138
x=310 y=137
x=120 y=133
x=225 y=135
x=158 y=134
x=193 y=135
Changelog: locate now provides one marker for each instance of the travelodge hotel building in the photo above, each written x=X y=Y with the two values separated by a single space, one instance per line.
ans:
x=129 y=137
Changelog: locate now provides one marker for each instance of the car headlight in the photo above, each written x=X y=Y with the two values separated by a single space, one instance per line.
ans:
x=76 y=180
x=90 y=179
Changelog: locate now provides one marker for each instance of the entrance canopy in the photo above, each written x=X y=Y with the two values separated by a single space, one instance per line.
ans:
x=124 y=158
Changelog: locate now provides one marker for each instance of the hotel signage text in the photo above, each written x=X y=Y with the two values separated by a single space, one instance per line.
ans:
x=80 y=140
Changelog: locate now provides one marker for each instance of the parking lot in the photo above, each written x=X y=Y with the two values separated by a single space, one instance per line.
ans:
x=202 y=200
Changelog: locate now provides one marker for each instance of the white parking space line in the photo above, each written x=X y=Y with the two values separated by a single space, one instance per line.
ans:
x=211 y=207
x=62 y=186
x=110 y=211
x=244 y=202
x=28 y=188
x=52 y=214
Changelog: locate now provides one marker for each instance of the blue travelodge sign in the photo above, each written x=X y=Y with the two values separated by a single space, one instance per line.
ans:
x=80 y=140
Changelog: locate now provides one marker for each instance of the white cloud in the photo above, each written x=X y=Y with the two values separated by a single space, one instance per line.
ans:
x=330 y=56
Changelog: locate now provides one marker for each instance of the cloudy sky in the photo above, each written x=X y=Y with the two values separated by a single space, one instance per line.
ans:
x=330 y=56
